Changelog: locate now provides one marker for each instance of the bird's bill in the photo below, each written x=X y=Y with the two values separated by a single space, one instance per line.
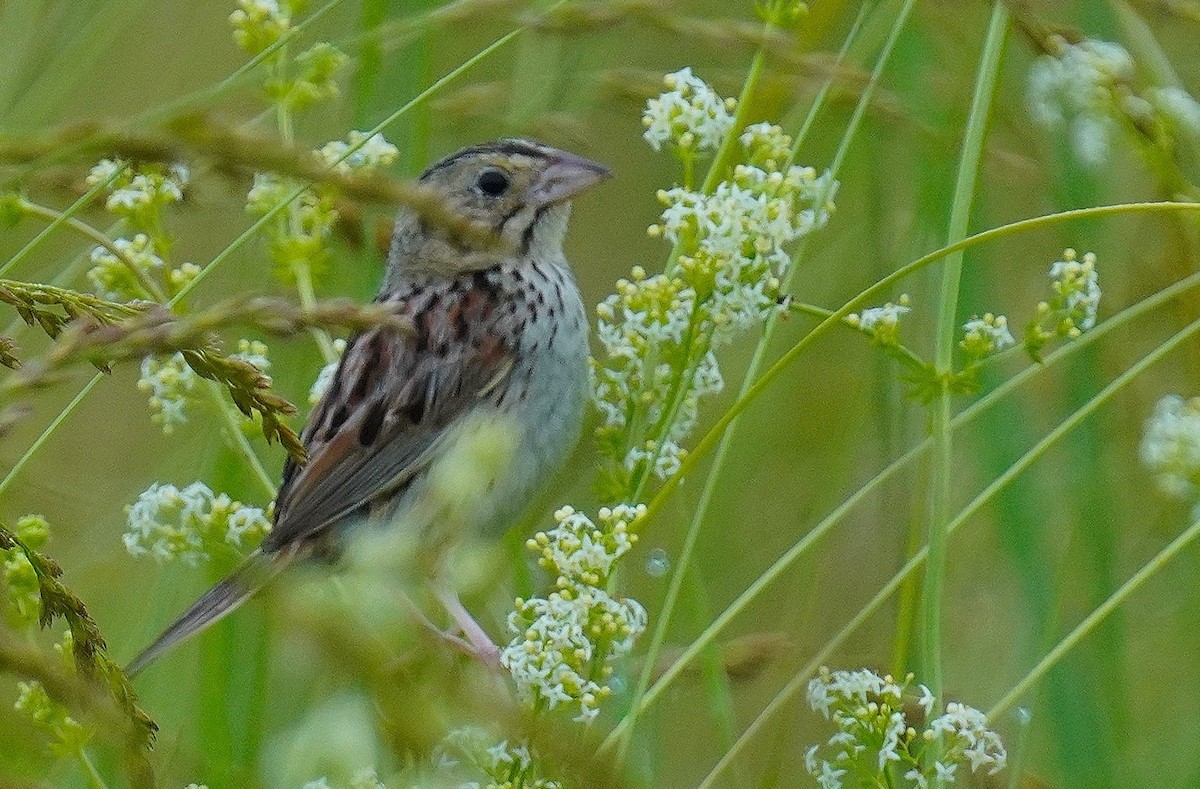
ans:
x=566 y=176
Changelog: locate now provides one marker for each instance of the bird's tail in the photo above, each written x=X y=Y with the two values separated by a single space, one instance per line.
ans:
x=215 y=604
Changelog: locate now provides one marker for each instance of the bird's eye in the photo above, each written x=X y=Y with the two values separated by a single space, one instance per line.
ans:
x=492 y=183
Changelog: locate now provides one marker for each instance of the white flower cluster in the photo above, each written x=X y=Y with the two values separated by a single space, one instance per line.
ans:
x=1179 y=108
x=257 y=24
x=658 y=332
x=876 y=740
x=468 y=752
x=372 y=152
x=365 y=778
x=690 y=114
x=137 y=195
x=171 y=384
x=313 y=215
x=297 y=82
x=299 y=236
x=1073 y=307
x=1077 y=92
x=168 y=523
x=567 y=640
x=1077 y=292
x=1171 y=446
x=1087 y=92
x=325 y=377
x=883 y=322
x=255 y=352
x=986 y=335
x=119 y=279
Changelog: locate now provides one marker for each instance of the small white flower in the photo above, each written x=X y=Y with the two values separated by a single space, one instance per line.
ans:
x=1078 y=90
x=986 y=335
x=171 y=384
x=320 y=783
x=829 y=777
x=258 y=23
x=1171 y=446
x=255 y=352
x=883 y=322
x=325 y=377
x=114 y=278
x=374 y=152
x=168 y=523
x=766 y=144
x=145 y=192
x=1180 y=108
x=1077 y=286
x=810 y=760
x=104 y=172
x=690 y=114
x=926 y=700
x=945 y=772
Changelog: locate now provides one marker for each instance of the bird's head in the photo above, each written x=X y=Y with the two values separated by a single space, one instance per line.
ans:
x=512 y=195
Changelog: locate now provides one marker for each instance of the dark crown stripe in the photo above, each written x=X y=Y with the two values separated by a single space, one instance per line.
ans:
x=507 y=147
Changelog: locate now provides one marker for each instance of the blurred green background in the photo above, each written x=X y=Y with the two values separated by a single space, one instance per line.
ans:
x=1121 y=710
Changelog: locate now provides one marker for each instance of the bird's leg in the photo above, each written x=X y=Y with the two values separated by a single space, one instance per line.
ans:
x=428 y=624
x=481 y=646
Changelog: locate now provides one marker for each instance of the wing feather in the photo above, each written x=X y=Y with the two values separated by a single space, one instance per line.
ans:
x=378 y=425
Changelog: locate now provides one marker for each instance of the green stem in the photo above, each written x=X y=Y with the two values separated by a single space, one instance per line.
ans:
x=724 y=158
x=1092 y=620
x=301 y=269
x=794 y=686
x=95 y=780
x=45 y=434
x=91 y=233
x=58 y=221
x=941 y=483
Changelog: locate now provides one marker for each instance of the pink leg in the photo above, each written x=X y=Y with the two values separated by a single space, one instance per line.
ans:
x=481 y=646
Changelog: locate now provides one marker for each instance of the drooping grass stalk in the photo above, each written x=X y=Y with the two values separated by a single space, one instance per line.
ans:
x=192 y=101
x=798 y=682
x=683 y=563
x=1092 y=620
x=743 y=402
x=941 y=483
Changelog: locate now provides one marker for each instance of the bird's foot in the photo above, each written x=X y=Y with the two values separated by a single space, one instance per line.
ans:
x=474 y=641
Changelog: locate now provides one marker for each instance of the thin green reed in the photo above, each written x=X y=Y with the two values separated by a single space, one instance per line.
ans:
x=941 y=483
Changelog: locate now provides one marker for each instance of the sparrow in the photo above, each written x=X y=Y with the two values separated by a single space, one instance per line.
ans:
x=495 y=328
